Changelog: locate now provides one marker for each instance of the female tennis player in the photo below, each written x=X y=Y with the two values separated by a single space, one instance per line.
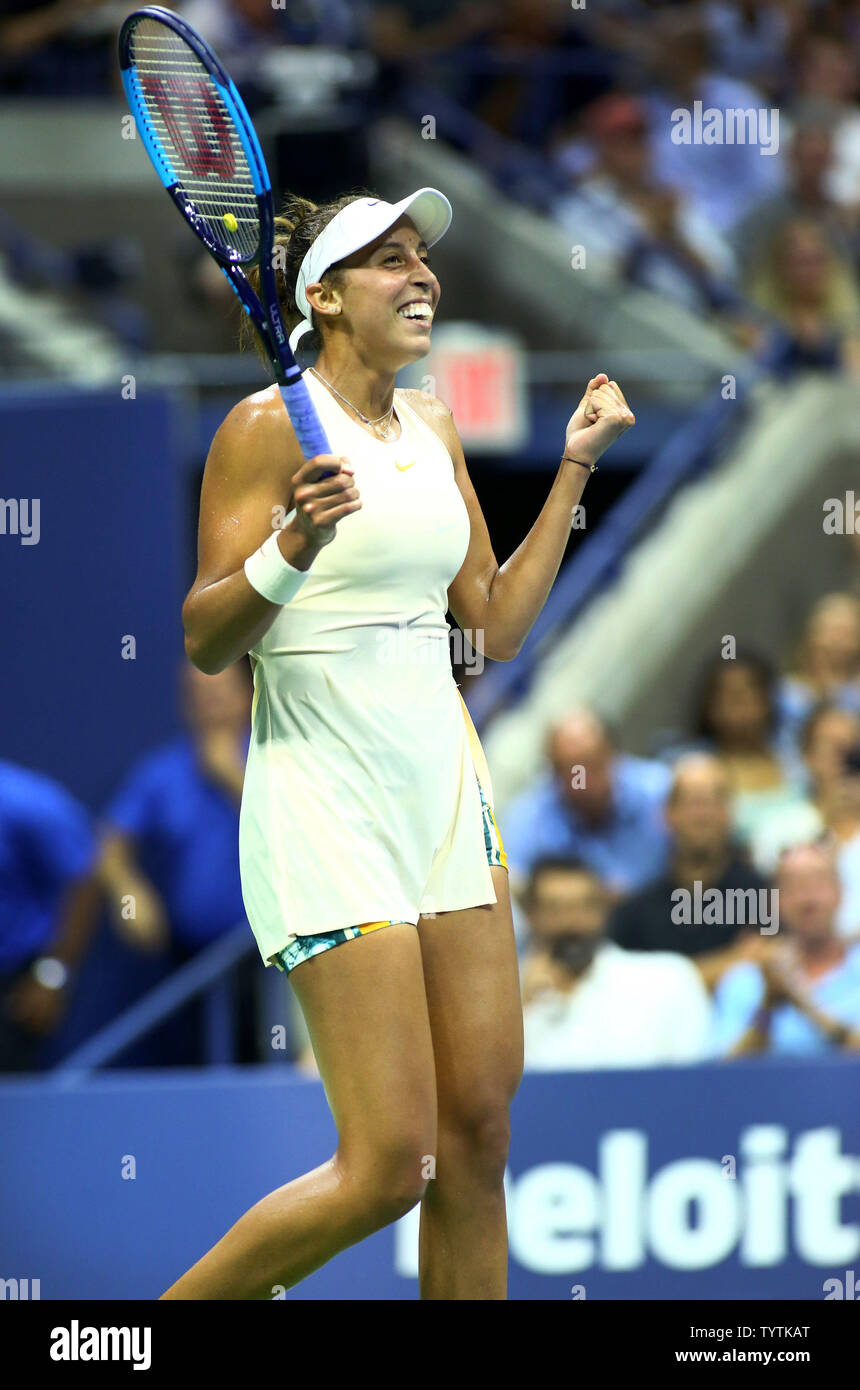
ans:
x=372 y=869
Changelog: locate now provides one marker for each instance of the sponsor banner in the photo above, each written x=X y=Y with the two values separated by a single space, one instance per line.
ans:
x=739 y=1181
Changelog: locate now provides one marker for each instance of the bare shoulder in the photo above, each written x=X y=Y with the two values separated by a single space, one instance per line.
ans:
x=261 y=414
x=256 y=437
x=432 y=410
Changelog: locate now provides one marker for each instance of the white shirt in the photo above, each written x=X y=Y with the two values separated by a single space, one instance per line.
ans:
x=630 y=1009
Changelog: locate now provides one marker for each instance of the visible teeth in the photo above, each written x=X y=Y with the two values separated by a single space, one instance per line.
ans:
x=416 y=311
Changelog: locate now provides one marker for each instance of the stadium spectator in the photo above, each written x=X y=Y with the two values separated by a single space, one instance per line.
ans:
x=813 y=295
x=827 y=666
x=57 y=47
x=527 y=95
x=831 y=748
x=750 y=38
x=239 y=30
x=737 y=722
x=594 y=803
x=49 y=902
x=632 y=226
x=402 y=30
x=827 y=88
x=588 y=1003
x=698 y=813
x=806 y=196
x=724 y=177
x=440 y=35
x=169 y=860
x=304 y=70
x=804 y=997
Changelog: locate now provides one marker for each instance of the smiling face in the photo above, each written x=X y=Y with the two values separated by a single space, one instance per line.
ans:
x=386 y=301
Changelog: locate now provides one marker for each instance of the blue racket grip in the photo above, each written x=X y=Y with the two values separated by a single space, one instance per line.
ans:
x=306 y=423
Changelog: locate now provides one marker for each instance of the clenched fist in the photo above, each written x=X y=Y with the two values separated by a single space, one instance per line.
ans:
x=600 y=418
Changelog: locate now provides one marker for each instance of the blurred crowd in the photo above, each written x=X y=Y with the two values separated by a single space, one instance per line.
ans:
x=698 y=904
x=754 y=221
x=752 y=217
x=705 y=904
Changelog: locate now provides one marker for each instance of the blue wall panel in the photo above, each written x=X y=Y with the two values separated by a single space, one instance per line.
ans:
x=618 y=1185
x=109 y=562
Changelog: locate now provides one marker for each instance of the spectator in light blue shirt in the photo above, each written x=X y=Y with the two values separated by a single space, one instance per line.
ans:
x=726 y=172
x=803 y=998
x=594 y=804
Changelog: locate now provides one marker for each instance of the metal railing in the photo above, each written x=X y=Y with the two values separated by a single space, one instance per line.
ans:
x=207 y=974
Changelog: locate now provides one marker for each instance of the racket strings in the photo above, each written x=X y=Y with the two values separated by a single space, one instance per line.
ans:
x=186 y=112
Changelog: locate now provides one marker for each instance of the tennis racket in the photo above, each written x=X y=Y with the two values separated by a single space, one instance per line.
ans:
x=199 y=136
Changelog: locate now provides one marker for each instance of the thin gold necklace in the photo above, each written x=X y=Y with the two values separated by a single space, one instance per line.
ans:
x=386 y=432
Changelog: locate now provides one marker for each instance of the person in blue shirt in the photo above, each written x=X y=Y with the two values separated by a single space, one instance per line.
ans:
x=169 y=858
x=594 y=804
x=803 y=998
x=49 y=901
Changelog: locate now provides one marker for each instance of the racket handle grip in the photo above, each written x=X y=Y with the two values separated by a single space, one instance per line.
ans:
x=305 y=421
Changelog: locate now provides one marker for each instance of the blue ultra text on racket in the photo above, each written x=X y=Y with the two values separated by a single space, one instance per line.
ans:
x=199 y=136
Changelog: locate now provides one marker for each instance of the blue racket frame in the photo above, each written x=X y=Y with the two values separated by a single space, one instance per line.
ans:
x=266 y=316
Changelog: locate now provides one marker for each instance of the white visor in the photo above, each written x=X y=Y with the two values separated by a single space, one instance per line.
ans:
x=358 y=224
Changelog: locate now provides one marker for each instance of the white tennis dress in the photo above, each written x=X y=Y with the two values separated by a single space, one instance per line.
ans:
x=361 y=801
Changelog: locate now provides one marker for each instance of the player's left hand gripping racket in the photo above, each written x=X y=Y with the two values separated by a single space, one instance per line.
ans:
x=196 y=131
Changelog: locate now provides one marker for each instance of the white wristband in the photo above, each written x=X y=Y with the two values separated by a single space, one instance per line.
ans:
x=271 y=575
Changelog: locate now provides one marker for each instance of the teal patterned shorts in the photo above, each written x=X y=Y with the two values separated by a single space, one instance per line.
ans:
x=304 y=947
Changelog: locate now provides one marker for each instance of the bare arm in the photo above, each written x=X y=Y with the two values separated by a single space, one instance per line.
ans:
x=839 y=1034
x=255 y=474
x=756 y=1038
x=135 y=907
x=498 y=605
x=780 y=989
x=34 y=1006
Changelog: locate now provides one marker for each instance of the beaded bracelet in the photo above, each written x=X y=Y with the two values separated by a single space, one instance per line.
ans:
x=592 y=467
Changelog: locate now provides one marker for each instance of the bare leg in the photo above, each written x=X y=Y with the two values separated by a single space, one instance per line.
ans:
x=366 y=1011
x=473 y=994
